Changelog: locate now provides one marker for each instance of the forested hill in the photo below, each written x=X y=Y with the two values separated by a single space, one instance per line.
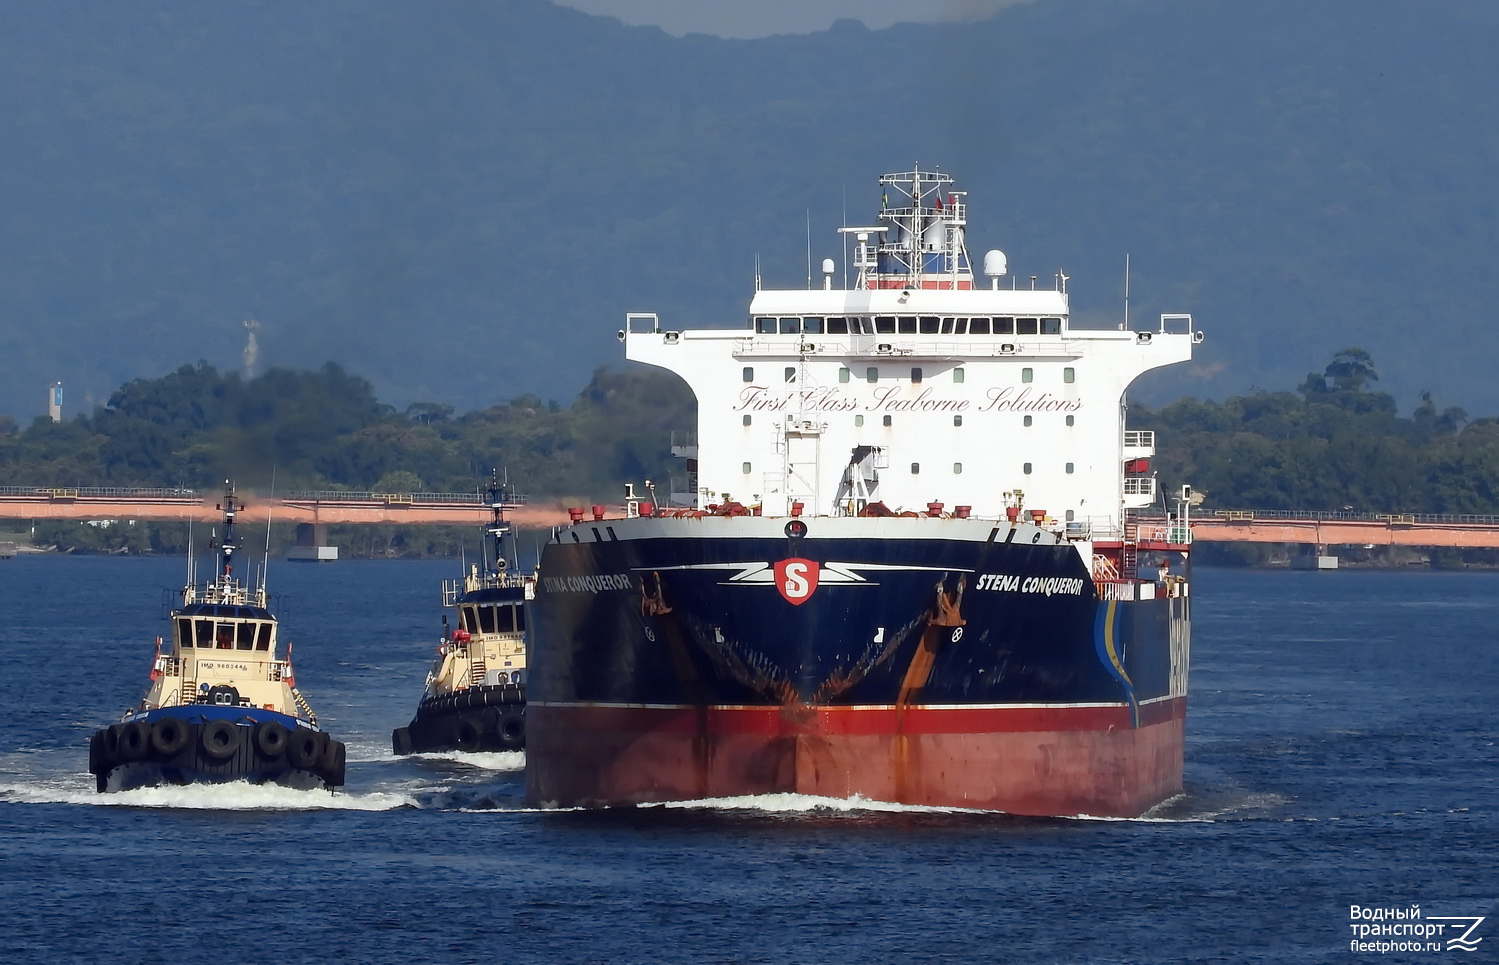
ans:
x=459 y=201
x=1335 y=441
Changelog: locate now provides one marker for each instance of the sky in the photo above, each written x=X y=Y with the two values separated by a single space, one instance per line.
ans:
x=761 y=18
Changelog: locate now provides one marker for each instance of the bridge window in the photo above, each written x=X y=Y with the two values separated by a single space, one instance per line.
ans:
x=884 y=324
x=916 y=375
x=1069 y=374
x=747 y=420
x=812 y=325
x=506 y=619
x=978 y=326
x=486 y=619
x=960 y=326
x=1051 y=326
x=185 y=633
x=929 y=324
x=203 y=633
x=843 y=373
x=1027 y=374
x=790 y=374
x=907 y=325
x=263 y=636
x=1004 y=326
x=469 y=619
x=957 y=374
x=791 y=326
x=871 y=374
x=765 y=325
x=749 y=373
x=838 y=326
x=948 y=324
x=1027 y=326
x=244 y=637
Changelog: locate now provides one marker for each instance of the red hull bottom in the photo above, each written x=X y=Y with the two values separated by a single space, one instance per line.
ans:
x=1046 y=761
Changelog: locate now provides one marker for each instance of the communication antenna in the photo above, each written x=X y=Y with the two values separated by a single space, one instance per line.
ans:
x=1124 y=326
x=809 y=249
x=265 y=567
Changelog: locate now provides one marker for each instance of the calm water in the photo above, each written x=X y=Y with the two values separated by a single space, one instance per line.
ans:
x=1341 y=750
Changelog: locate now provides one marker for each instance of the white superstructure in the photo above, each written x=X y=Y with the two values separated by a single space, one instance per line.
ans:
x=915 y=387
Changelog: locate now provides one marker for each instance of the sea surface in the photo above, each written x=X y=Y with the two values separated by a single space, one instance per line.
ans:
x=1341 y=751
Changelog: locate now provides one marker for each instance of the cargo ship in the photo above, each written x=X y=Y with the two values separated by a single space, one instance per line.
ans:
x=223 y=703
x=475 y=695
x=914 y=554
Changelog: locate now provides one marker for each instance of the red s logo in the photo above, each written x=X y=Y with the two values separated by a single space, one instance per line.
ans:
x=796 y=579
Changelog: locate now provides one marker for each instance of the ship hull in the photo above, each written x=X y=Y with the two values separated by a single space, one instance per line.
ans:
x=953 y=663
x=206 y=744
x=484 y=718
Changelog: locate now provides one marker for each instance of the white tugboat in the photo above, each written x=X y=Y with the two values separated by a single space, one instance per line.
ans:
x=475 y=699
x=223 y=704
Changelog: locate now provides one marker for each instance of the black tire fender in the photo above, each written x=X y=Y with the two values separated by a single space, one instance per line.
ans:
x=135 y=740
x=400 y=740
x=169 y=736
x=220 y=739
x=513 y=729
x=304 y=747
x=468 y=735
x=270 y=738
x=335 y=763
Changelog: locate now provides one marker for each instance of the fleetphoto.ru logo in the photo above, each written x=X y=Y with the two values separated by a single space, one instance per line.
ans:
x=1385 y=930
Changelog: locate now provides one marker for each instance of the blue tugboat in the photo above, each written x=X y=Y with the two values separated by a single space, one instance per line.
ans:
x=475 y=699
x=223 y=704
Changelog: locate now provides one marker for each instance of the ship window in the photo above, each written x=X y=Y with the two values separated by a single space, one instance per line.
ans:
x=843 y=373
x=486 y=619
x=929 y=324
x=1029 y=421
x=978 y=326
x=1051 y=326
x=871 y=374
x=947 y=324
x=204 y=634
x=1071 y=515
x=506 y=615
x=244 y=638
x=746 y=467
x=1069 y=468
x=907 y=325
x=263 y=637
x=765 y=325
x=1025 y=326
x=916 y=375
x=884 y=324
x=1069 y=374
x=1026 y=469
x=837 y=326
x=185 y=633
x=887 y=420
x=957 y=420
x=813 y=325
x=223 y=638
x=957 y=374
x=749 y=373
x=1071 y=420
x=1004 y=326
x=470 y=620
x=790 y=374
x=520 y=619
x=957 y=469
x=858 y=421
x=915 y=468
x=791 y=326
x=747 y=420
x=1027 y=374
x=960 y=326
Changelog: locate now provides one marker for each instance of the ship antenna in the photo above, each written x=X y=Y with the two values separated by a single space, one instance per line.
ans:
x=265 y=567
x=809 y=249
x=1124 y=327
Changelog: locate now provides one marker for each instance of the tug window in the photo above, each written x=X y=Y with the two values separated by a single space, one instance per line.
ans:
x=244 y=638
x=507 y=619
x=1004 y=326
x=185 y=633
x=1026 y=326
x=486 y=619
x=224 y=636
x=470 y=620
x=263 y=637
x=204 y=633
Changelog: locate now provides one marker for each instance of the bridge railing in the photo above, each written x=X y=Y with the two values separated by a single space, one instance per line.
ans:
x=100 y=492
x=1268 y=515
x=340 y=496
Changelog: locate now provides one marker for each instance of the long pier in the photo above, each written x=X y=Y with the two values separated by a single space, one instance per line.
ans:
x=466 y=509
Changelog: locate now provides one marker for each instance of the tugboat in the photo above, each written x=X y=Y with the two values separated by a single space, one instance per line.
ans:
x=475 y=698
x=223 y=705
